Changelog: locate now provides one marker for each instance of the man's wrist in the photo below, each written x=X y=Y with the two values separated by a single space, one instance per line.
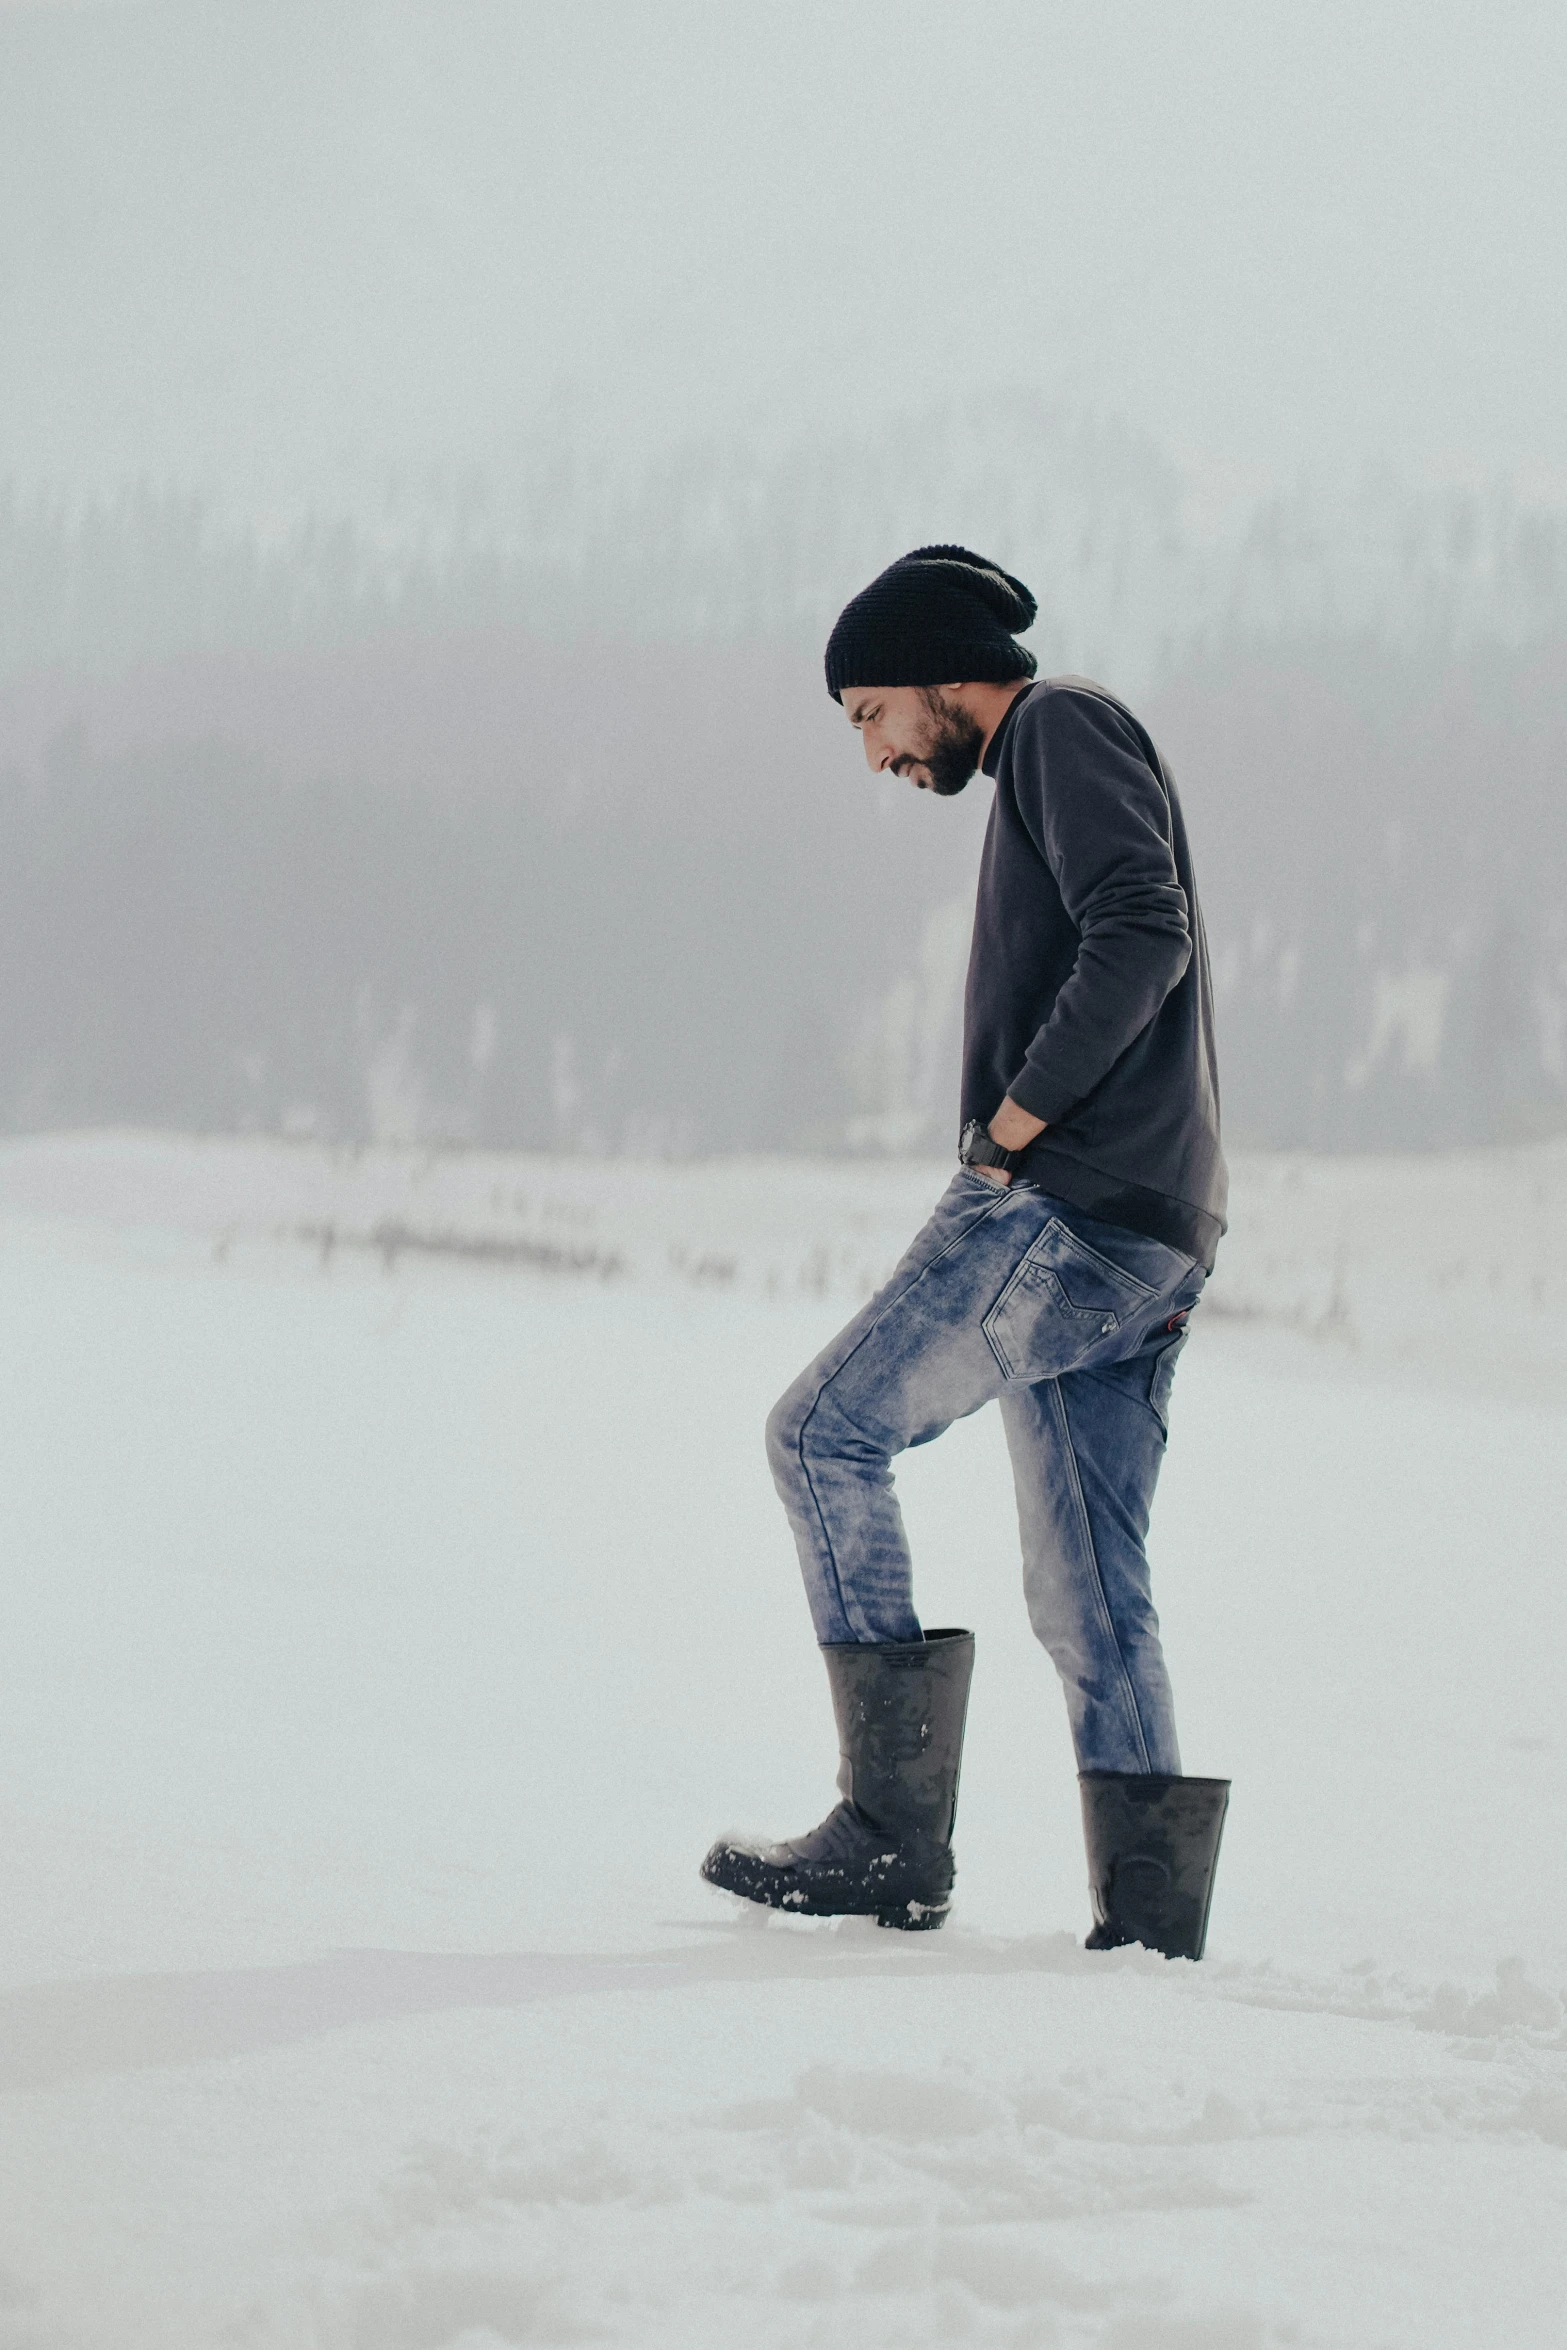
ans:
x=1013 y=1127
x=979 y=1148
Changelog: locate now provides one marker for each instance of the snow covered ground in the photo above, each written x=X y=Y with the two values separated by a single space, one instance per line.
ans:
x=397 y=1606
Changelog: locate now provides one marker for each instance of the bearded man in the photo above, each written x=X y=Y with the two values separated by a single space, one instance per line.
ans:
x=1057 y=1276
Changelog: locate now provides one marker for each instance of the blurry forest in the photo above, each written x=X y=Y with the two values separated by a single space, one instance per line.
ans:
x=514 y=811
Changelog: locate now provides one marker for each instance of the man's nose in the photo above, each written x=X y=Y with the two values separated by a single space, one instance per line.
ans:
x=878 y=754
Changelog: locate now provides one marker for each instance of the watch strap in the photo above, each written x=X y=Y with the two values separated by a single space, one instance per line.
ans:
x=976 y=1149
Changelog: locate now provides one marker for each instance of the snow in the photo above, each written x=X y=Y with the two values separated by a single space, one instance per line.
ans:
x=396 y=1613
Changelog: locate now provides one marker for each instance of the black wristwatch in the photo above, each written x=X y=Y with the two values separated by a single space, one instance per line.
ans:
x=975 y=1149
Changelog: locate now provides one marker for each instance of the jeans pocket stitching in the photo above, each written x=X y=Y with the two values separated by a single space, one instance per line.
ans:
x=1144 y=1292
x=1029 y=1267
x=1029 y=1273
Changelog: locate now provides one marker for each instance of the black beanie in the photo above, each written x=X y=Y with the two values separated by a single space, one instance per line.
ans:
x=939 y=616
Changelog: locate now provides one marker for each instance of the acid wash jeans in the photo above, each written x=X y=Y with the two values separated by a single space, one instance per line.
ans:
x=1075 y=1325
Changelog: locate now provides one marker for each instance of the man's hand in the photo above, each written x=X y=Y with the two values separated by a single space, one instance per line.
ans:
x=1014 y=1128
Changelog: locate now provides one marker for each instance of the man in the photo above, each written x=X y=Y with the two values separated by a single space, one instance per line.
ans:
x=1058 y=1275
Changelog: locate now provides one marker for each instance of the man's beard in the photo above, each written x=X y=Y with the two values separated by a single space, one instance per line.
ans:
x=952 y=754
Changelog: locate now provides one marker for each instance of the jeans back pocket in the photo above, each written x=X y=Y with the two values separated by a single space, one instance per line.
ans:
x=1063 y=1304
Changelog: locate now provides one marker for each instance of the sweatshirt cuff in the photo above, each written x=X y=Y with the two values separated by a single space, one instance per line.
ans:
x=1041 y=1099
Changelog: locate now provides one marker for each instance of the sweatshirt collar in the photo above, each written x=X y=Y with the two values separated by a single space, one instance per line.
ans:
x=994 y=747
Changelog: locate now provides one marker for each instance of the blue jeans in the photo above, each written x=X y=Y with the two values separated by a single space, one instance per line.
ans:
x=1075 y=1325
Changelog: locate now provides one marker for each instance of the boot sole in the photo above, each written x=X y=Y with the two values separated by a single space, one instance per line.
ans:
x=913 y=1915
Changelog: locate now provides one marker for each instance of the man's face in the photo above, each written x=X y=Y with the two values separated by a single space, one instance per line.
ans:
x=917 y=732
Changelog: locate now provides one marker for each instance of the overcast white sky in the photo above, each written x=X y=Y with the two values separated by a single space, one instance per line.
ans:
x=268 y=244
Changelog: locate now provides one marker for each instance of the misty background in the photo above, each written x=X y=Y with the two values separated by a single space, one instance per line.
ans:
x=434 y=442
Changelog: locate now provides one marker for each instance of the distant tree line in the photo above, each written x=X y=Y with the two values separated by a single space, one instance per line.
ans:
x=487 y=835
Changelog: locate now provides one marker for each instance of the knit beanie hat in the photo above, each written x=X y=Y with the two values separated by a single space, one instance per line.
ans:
x=938 y=616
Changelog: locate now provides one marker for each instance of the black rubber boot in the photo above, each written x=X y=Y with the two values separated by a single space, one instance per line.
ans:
x=1153 y=1844
x=886 y=1851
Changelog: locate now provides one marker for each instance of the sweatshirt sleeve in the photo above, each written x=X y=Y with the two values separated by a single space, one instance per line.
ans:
x=1100 y=817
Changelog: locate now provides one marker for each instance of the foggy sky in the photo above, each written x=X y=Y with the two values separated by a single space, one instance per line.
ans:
x=494 y=402
x=275 y=247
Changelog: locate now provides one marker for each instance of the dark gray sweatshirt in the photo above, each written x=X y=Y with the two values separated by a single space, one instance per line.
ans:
x=1089 y=999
